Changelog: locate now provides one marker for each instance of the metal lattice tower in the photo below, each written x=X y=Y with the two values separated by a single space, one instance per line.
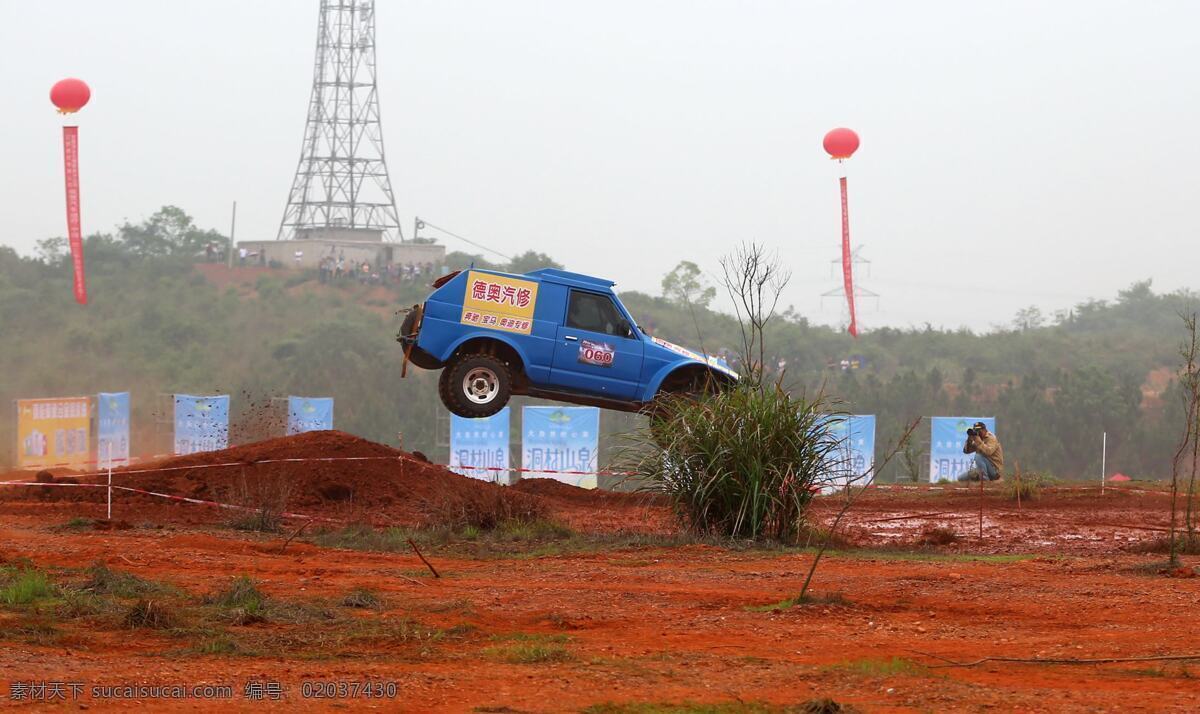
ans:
x=860 y=290
x=342 y=183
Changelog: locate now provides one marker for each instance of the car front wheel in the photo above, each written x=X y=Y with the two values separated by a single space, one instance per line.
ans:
x=476 y=386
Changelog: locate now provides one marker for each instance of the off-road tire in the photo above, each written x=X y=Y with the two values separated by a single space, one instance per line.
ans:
x=475 y=385
x=444 y=386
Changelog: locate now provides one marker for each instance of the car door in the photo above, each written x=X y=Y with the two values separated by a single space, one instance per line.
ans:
x=597 y=350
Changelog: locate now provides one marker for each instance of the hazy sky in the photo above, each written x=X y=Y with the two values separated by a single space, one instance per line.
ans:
x=1013 y=153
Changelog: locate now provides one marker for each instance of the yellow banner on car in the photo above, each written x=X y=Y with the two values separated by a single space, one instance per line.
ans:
x=53 y=432
x=499 y=302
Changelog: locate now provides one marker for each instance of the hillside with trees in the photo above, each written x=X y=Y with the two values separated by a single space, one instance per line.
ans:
x=159 y=322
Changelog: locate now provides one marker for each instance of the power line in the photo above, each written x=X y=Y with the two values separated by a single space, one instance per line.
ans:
x=423 y=223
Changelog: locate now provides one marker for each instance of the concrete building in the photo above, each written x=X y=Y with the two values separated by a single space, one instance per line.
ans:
x=355 y=245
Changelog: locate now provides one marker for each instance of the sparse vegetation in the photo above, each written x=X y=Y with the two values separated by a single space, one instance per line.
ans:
x=482 y=509
x=508 y=538
x=76 y=604
x=265 y=493
x=362 y=598
x=836 y=599
x=242 y=601
x=101 y=580
x=25 y=587
x=1027 y=485
x=221 y=644
x=937 y=535
x=532 y=530
x=533 y=637
x=812 y=706
x=884 y=667
x=35 y=631
x=528 y=653
x=151 y=614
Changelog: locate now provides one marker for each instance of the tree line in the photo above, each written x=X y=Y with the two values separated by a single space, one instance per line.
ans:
x=157 y=325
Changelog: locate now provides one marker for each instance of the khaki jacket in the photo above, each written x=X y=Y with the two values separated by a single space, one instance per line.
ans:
x=990 y=447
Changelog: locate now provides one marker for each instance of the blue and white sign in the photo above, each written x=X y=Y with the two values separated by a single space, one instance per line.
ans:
x=947 y=435
x=309 y=414
x=112 y=428
x=856 y=449
x=479 y=447
x=201 y=423
x=557 y=439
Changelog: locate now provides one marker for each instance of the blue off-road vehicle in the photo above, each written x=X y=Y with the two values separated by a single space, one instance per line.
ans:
x=548 y=333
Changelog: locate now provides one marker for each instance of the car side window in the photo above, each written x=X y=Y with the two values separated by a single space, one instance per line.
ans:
x=595 y=313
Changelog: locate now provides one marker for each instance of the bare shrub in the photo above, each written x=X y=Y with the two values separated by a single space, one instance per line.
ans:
x=102 y=580
x=754 y=280
x=265 y=493
x=937 y=535
x=1189 y=379
x=485 y=509
x=362 y=598
x=151 y=614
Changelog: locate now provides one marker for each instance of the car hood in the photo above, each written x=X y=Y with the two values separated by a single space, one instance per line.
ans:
x=711 y=360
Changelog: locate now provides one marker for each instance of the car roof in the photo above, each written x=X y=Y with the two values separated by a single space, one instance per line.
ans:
x=578 y=280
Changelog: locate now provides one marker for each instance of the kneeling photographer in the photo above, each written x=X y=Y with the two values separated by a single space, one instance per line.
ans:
x=989 y=456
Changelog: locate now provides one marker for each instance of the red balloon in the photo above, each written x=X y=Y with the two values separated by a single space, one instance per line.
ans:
x=69 y=95
x=841 y=143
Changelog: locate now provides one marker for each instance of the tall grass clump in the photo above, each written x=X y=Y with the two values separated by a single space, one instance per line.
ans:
x=743 y=461
x=25 y=587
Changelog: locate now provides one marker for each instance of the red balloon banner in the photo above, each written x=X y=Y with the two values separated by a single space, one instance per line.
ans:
x=70 y=95
x=841 y=143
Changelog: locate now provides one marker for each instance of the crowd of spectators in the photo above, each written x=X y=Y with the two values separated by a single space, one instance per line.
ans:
x=336 y=268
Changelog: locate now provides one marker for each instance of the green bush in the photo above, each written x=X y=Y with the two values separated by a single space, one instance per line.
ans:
x=743 y=462
x=26 y=587
x=243 y=600
x=1027 y=485
x=102 y=580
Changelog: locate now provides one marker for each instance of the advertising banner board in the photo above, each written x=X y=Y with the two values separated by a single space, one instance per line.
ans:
x=112 y=429
x=201 y=423
x=479 y=447
x=856 y=449
x=557 y=439
x=309 y=414
x=53 y=432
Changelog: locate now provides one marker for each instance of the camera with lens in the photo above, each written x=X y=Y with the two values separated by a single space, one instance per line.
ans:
x=972 y=432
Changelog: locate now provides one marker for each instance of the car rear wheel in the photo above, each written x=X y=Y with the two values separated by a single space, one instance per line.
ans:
x=475 y=385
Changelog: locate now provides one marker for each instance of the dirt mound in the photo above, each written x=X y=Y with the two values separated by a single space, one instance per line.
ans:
x=311 y=445
x=549 y=488
x=331 y=474
x=324 y=473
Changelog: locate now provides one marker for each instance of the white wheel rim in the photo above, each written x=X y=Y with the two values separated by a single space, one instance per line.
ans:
x=481 y=385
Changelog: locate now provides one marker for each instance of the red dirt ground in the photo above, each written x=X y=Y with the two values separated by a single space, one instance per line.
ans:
x=646 y=623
